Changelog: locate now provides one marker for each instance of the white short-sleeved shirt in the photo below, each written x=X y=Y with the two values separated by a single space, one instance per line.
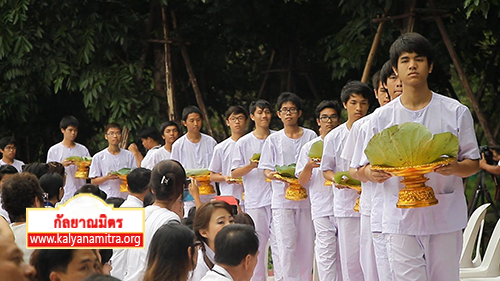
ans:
x=148 y=159
x=201 y=267
x=18 y=164
x=59 y=153
x=321 y=196
x=280 y=150
x=221 y=164
x=104 y=162
x=157 y=156
x=258 y=191
x=344 y=199
x=136 y=258
x=218 y=273
x=119 y=258
x=442 y=114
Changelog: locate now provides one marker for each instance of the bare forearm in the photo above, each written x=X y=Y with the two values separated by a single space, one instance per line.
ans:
x=215 y=177
x=269 y=174
x=328 y=175
x=99 y=180
x=305 y=175
x=467 y=168
x=239 y=172
x=492 y=169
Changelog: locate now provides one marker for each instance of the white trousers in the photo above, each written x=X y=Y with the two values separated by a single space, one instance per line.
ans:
x=367 y=253
x=425 y=257
x=380 y=249
x=262 y=219
x=325 y=245
x=295 y=237
x=348 y=233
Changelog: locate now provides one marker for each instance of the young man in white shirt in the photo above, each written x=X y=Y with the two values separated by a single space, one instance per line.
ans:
x=8 y=149
x=170 y=133
x=60 y=152
x=194 y=150
x=111 y=159
x=424 y=243
x=151 y=141
x=220 y=166
x=292 y=219
x=257 y=190
x=321 y=196
x=138 y=183
x=355 y=98
x=236 y=251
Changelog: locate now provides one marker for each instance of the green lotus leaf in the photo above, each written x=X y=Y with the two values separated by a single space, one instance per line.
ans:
x=86 y=158
x=316 y=150
x=286 y=170
x=197 y=172
x=255 y=157
x=345 y=179
x=121 y=172
x=409 y=144
x=74 y=158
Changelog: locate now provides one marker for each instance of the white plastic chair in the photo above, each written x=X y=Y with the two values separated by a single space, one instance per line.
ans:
x=474 y=226
x=491 y=260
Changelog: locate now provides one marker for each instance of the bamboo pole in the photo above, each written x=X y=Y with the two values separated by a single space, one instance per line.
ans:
x=373 y=51
x=463 y=78
x=168 y=69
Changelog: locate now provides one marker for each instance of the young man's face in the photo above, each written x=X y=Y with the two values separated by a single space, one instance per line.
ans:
x=394 y=86
x=328 y=119
x=381 y=94
x=237 y=123
x=70 y=133
x=289 y=114
x=356 y=107
x=84 y=263
x=193 y=123
x=413 y=69
x=113 y=136
x=170 y=134
x=9 y=151
x=261 y=117
x=148 y=143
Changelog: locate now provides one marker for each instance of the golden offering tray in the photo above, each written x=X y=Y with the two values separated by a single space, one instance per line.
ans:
x=355 y=187
x=415 y=194
x=124 y=184
x=356 y=206
x=254 y=161
x=82 y=171
x=235 y=181
x=294 y=191
x=204 y=185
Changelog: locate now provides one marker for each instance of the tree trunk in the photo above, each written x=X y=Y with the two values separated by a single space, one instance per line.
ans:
x=449 y=45
x=373 y=51
x=168 y=69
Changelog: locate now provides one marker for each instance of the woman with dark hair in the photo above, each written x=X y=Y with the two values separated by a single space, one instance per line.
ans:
x=62 y=265
x=167 y=181
x=210 y=218
x=172 y=254
x=52 y=184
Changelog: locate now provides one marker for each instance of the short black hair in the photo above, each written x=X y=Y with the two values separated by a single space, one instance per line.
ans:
x=115 y=201
x=234 y=242
x=244 y=218
x=355 y=88
x=92 y=189
x=411 y=43
x=51 y=183
x=376 y=80
x=386 y=71
x=289 y=97
x=138 y=180
x=262 y=104
x=150 y=132
x=328 y=104
x=18 y=193
x=6 y=141
x=36 y=168
x=100 y=277
x=167 y=181
x=7 y=170
x=236 y=109
x=67 y=121
x=112 y=125
x=46 y=261
x=166 y=124
x=190 y=109
x=56 y=167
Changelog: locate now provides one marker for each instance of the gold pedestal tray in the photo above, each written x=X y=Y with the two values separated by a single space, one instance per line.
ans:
x=82 y=171
x=204 y=185
x=356 y=206
x=415 y=194
x=124 y=184
x=235 y=181
x=294 y=191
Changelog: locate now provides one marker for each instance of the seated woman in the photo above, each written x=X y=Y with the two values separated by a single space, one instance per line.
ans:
x=210 y=218
x=65 y=265
x=172 y=253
